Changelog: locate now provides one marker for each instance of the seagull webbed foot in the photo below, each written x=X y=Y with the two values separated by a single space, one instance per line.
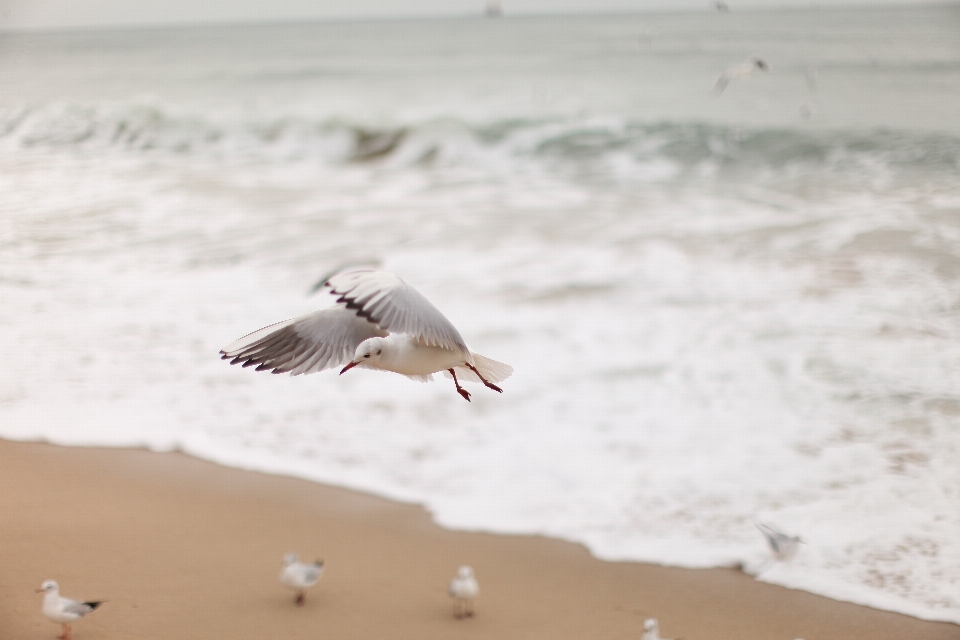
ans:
x=460 y=390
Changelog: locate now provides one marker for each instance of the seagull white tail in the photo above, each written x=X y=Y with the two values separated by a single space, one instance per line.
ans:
x=492 y=370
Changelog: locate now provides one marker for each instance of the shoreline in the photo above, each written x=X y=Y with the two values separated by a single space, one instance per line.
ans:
x=185 y=548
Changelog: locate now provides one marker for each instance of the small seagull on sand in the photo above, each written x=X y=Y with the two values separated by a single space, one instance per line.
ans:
x=783 y=546
x=464 y=589
x=752 y=66
x=300 y=576
x=379 y=322
x=651 y=630
x=63 y=610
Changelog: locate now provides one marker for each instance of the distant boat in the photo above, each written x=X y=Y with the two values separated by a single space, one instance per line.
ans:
x=494 y=10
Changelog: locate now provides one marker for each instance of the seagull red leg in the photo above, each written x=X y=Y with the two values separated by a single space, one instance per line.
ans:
x=486 y=383
x=460 y=390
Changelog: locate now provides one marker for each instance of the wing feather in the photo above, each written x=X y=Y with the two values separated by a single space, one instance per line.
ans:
x=721 y=83
x=310 y=343
x=394 y=306
x=80 y=608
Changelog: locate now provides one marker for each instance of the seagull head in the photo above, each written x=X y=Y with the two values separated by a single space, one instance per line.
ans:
x=368 y=352
x=289 y=559
x=465 y=572
x=651 y=624
x=49 y=586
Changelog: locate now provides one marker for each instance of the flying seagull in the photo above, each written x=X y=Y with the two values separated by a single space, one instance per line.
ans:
x=379 y=322
x=56 y=608
x=752 y=66
x=783 y=546
x=300 y=576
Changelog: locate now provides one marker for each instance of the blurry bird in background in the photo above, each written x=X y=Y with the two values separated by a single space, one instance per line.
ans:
x=300 y=576
x=781 y=545
x=751 y=67
x=809 y=108
x=651 y=630
x=56 y=608
x=464 y=589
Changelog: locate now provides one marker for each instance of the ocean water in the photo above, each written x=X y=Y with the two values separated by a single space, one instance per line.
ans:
x=721 y=310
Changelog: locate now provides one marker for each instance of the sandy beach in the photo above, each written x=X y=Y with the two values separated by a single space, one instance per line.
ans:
x=181 y=548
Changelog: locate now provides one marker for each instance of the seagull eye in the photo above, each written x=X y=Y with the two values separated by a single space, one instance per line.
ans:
x=379 y=351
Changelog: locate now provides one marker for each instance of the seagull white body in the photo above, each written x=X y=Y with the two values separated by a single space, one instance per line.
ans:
x=379 y=322
x=464 y=588
x=782 y=546
x=651 y=630
x=408 y=356
x=752 y=66
x=300 y=576
x=62 y=610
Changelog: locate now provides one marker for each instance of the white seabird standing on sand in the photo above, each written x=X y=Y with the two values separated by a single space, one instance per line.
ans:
x=783 y=546
x=300 y=576
x=752 y=66
x=379 y=322
x=65 y=611
x=651 y=630
x=464 y=588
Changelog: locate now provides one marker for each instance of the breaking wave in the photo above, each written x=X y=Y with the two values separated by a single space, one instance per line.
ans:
x=591 y=146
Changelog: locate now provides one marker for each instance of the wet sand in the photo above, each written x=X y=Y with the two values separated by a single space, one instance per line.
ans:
x=182 y=548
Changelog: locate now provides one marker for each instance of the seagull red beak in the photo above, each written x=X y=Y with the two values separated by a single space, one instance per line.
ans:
x=38 y=590
x=348 y=367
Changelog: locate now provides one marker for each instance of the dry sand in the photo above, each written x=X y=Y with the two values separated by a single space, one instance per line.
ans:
x=185 y=549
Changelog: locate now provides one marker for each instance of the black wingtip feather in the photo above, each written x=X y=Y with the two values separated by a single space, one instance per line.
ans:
x=354 y=306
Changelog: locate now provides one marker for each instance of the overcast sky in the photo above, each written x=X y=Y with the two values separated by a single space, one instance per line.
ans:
x=57 y=14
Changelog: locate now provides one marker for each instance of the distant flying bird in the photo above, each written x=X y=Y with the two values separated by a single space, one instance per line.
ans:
x=651 y=630
x=807 y=109
x=493 y=10
x=721 y=6
x=464 y=588
x=752 y=66
x=781 y=545
x=379 y=322
x=300 y=576
x=63 y=610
